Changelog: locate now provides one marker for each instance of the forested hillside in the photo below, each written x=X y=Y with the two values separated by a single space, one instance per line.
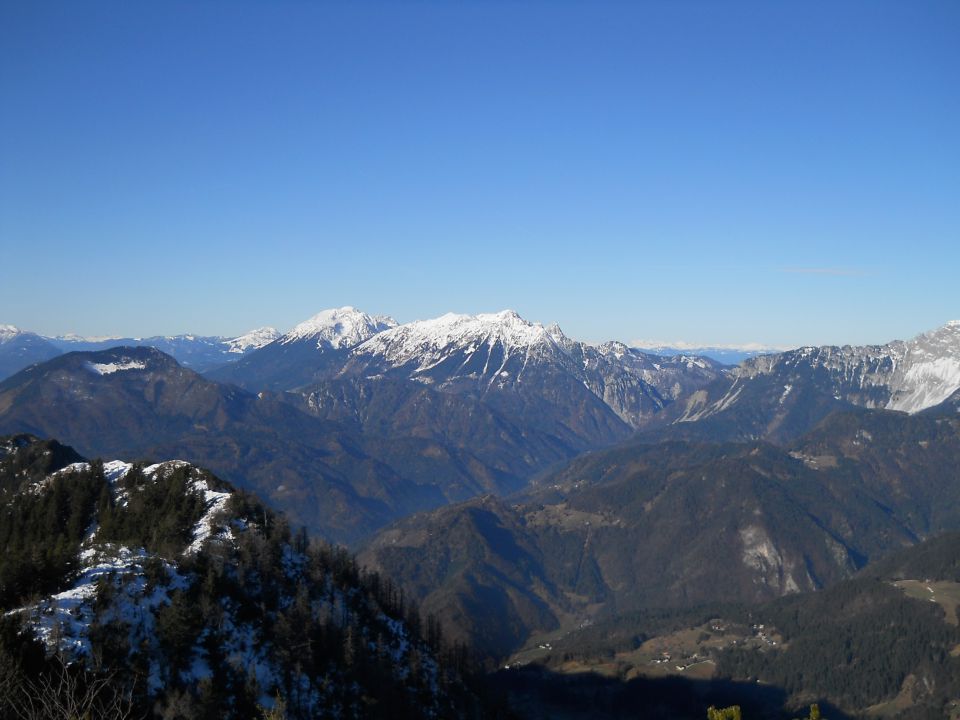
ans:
x=132 y=590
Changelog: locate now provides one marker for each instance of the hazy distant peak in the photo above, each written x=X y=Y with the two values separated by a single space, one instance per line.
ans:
x=252 y=340
x=8 y=332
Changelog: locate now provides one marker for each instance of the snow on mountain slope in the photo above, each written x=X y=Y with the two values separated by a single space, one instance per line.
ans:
x=339 y=328
x=908 y=376
x=929 y=370
x=8 y=332
x=425 y=343
x=500 y=351
x=174 y=588
x=251 y=340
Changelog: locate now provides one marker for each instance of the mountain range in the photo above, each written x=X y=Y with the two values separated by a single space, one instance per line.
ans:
x=21 y=348
x=671 y=524
x=372 y=436
x=520 y=486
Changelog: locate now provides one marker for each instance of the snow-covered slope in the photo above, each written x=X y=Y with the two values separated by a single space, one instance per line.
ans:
x=203 y=592
x=252 y=340
x=423 y=344
x=338 y=328
x=928 y=371
x=312 y=351
x=8 y=332
x=780 y=396
x=901 y=375
x=504 y=352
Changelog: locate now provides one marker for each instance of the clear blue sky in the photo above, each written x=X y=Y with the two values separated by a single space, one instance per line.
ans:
x=717 y=172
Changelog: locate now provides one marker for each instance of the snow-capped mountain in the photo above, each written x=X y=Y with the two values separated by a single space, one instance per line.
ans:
x=198 y=352
x=338 y=328
x=253 y=340
x=19 y=348
x=908 y=376
x=778 y=396
x=486 y=353
x=311 y=351
x=8 y=332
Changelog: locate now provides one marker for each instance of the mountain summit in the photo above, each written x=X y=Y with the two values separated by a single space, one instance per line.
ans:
x=339 y=328
x=311 y=351
x=502 y=354
x=426 y=342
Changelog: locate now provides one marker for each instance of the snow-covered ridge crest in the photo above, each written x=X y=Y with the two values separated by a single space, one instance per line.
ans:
x=8 y=332
x=339 y=328
x=252 y=340
x=911 y=375
x=422 y=340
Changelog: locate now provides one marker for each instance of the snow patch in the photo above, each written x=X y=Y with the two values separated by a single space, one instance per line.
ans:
x=63 y=620
x=786 y=392
x=215 y=504
x=120 y=365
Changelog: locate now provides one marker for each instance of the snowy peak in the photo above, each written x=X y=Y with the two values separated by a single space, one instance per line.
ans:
x=8 y=332
x=252 y=340
x=929 y=370
x=428 y=341
x=339 y=328
x=902 y=375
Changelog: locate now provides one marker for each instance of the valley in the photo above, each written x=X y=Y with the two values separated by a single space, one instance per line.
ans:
x=553 y=517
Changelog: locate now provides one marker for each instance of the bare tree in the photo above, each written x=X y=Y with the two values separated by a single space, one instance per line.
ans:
x=65 y=693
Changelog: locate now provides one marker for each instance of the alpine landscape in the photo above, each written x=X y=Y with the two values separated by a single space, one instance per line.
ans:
x=649 y=405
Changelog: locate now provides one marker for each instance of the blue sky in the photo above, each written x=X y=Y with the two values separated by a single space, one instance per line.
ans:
x=714 y=172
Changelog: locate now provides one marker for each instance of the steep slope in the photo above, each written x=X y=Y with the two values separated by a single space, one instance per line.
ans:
x=314 y=457
x=538 y=377
x=19 y=349
x=884 y=643
x=680 y=524
x=171 y=594
x=477 y=569
x=779 y=397
x=464 y=444
x=312 y=351
x=870 y=646
x=139 y=402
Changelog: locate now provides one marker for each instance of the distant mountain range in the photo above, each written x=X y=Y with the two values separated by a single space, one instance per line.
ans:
x=726 y=354
x=371 y=441
x=520 y=484
x=779 y=397
x=21 y=348
x=351 y=421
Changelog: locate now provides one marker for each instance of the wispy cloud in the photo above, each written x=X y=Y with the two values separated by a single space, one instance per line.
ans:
x=843 y=272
